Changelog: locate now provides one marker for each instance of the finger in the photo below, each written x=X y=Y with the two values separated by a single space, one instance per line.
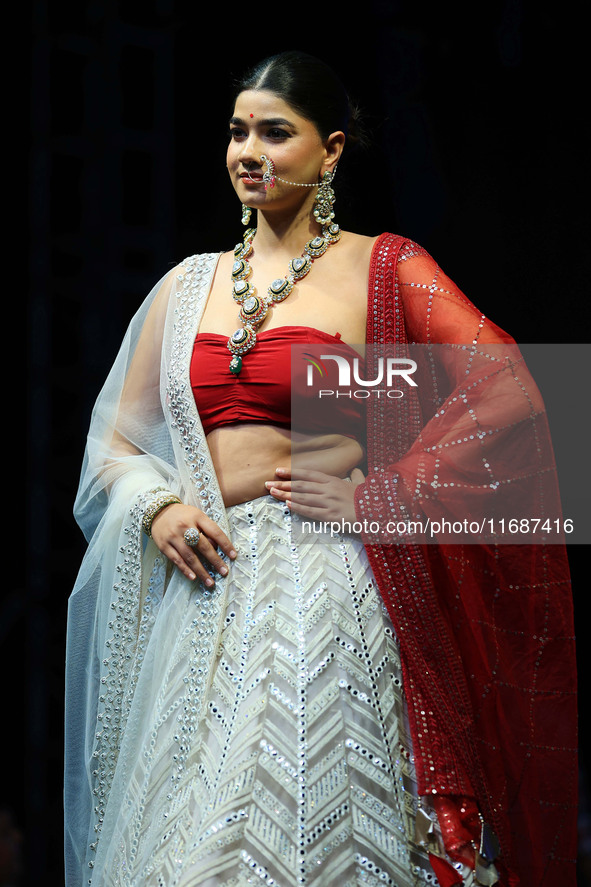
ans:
x=303 y=474
x=283 y=495
x=278 y=485
x=209 y=552
x=357 y=476
x=316 y=512
x=216 y=535
x=309 y=499
x=193 y=570
x=190 y=560
x=310 y=486
x=300 y=486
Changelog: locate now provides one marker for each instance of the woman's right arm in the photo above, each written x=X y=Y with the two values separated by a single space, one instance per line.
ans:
x=130 y=456
x=168 y=529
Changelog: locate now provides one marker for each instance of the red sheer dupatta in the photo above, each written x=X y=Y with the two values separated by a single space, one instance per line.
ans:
x=485 y=629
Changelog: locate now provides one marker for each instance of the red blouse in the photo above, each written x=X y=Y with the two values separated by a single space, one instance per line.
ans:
x=274 y=382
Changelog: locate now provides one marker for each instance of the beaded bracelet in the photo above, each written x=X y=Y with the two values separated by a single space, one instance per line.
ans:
x=155 y=507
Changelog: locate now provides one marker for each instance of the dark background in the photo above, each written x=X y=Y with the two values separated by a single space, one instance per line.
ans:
x=479 y=152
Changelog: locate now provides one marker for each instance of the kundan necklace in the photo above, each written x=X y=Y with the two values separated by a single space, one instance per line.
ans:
x=254 y=308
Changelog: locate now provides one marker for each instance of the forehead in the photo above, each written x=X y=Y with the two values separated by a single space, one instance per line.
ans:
x=261 y=104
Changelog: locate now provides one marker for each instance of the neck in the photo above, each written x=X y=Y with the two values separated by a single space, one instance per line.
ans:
x=286 y=234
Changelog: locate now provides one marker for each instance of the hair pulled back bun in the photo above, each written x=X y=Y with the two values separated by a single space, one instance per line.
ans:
x=311 y=88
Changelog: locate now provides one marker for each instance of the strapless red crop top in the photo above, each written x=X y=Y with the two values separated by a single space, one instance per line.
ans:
x=270 y=374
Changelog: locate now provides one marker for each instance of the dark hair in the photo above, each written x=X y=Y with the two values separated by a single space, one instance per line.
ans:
x=310 y=87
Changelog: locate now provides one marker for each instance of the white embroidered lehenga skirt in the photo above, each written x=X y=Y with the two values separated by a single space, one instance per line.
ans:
x=298 y=771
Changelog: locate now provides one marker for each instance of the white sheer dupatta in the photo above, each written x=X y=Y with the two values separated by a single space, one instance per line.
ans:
x=145 y=434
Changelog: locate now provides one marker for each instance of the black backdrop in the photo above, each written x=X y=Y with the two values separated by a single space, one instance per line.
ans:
x=478 y=152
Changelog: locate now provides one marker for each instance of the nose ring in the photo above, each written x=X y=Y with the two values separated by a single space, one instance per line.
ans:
x=268 y=175
x=249 y=175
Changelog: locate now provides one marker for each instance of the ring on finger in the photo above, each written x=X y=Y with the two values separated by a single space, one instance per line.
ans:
x=191 y=537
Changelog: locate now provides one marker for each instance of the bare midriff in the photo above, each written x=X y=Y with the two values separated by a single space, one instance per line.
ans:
x=245 y=456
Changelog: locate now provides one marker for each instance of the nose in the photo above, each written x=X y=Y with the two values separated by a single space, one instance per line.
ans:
x=250 y=150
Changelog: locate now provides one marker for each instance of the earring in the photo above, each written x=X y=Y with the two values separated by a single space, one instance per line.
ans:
x=246 y=214
x=325 y=197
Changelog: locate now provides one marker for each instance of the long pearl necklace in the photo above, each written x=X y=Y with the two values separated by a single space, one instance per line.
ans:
x=254 y=308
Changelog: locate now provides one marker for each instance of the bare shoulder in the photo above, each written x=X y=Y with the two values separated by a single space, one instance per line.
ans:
x=226 y=259
x=358 y=248
x=358 y=245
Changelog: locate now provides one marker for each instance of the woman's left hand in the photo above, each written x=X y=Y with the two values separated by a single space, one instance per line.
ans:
x=316 y=495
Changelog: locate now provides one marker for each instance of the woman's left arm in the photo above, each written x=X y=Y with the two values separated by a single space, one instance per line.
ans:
x=316 y=495
x=470 y=448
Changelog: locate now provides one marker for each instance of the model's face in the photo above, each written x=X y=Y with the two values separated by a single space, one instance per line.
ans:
x=262 y=123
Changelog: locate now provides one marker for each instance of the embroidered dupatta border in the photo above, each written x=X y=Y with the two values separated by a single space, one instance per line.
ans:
x=133 y=611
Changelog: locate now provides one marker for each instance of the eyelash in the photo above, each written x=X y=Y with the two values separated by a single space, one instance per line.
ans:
x=275 y=134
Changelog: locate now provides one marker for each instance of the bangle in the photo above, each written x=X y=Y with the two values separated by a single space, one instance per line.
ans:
x=155 y=507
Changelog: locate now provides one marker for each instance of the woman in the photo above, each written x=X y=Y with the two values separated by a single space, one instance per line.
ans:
x=249 y=703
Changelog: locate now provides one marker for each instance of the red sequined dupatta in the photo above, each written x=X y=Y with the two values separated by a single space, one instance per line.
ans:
x=485 y=628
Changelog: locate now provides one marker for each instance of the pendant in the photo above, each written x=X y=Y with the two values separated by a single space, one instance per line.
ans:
x=300 y=266
x=240 y=269
x=236 y=364
x=253 y=310
x=332 y=233
x=239 y=343
x=317 y=247
x=242 y=340
x=280 y=289
x=242 y=290
x=243 y=249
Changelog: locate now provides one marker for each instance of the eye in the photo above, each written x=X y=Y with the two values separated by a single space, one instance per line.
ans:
x=236 y=133
x=278 y=134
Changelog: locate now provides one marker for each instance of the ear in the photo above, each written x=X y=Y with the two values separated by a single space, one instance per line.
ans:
x=333 y=148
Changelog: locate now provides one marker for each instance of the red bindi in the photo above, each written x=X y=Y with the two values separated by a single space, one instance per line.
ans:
x=252 y=115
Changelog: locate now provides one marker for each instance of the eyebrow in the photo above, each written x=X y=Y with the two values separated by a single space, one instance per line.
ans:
x=269 y=121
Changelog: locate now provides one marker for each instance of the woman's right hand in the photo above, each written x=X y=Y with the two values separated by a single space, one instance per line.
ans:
x=168 y=528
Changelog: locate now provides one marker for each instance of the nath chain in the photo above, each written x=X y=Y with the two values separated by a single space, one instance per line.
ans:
x=270 y=176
